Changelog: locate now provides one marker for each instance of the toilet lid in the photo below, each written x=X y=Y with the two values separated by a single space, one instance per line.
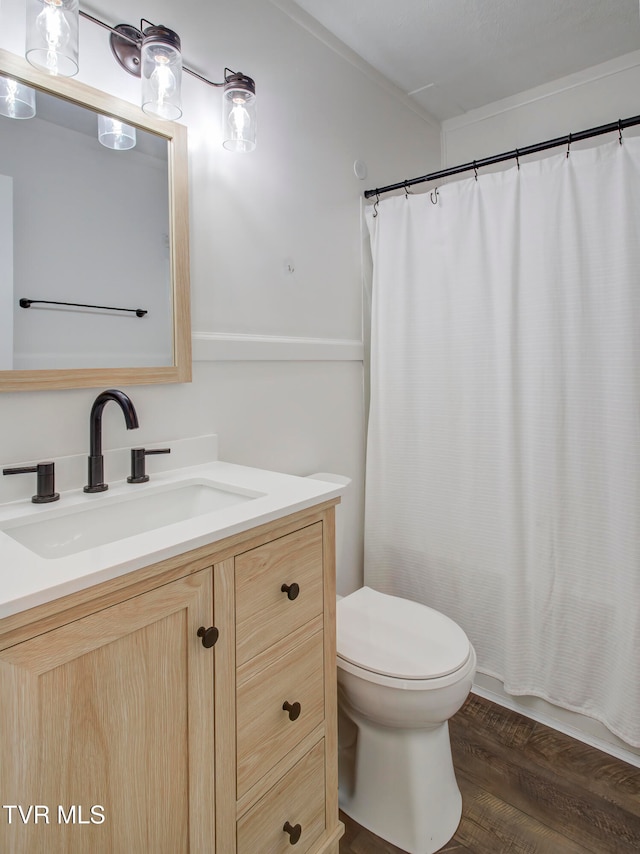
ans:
x=398 y=637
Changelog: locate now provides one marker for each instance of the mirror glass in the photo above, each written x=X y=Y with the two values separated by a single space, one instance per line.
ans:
x=93 y=265
x=87 y=225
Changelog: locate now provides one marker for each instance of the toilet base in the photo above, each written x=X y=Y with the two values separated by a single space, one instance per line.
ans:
x=399 y=783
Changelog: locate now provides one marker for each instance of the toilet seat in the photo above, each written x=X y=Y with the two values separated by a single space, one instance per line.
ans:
x=398 y=641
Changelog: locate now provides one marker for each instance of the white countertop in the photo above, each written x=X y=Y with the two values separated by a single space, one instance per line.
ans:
x=29 y=579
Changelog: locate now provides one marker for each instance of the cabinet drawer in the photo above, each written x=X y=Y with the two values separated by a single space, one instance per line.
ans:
x=264 y=612
x=266 y=730
x=297 y=799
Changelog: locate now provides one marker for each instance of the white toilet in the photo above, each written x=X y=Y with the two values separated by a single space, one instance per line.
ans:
x=403 y=671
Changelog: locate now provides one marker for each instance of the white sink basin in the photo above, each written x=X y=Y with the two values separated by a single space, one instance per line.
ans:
x=61 y=533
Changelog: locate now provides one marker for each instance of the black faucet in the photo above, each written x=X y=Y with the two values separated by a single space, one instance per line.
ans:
x=96 y=460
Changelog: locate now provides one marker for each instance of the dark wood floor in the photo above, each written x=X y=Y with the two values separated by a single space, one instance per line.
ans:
x=528 y=789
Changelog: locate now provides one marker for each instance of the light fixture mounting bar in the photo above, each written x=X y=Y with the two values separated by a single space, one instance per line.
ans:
x=200 y=77
x=107 y=27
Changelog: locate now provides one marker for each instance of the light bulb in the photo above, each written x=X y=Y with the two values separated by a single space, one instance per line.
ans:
x=162 y=82
x=239 y=119
x=239 y=114
x=56 y=32
x=12 y=91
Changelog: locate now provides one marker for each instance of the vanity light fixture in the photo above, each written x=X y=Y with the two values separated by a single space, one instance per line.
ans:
x=52 y=36
x=112 y=133
x=17 y=101
x=161 y=72
x=153 y=53
x=239 y=112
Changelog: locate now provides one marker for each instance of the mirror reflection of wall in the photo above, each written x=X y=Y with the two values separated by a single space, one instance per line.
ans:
x=90 y=225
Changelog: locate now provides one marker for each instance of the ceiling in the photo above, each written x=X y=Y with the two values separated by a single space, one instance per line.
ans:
x=452 y=56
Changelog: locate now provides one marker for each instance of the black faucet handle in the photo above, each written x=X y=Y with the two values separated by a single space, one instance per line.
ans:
x=138 y=474
x=46 y=481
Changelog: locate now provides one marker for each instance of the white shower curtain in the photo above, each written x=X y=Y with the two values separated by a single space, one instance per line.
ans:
x=503 y=460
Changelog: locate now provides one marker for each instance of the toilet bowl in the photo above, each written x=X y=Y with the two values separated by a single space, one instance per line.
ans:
x=403 y=670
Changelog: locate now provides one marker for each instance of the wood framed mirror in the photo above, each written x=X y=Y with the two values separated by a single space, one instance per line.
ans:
x=94 y=243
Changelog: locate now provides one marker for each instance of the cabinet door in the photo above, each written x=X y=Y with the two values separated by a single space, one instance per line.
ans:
x=106 y=730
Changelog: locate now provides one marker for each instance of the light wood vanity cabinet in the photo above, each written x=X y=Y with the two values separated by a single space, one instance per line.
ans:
x=109 y=699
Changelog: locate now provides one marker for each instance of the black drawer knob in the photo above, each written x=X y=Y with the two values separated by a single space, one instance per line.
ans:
x=294 y=831
x=209 y=636
x=294 y=710
x=291 y=590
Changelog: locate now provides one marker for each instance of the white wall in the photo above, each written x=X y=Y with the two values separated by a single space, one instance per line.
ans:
x=591 y=98
x=596 y=96
x=279 y=374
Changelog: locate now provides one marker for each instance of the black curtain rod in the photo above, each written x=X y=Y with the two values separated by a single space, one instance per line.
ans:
x=618 y=126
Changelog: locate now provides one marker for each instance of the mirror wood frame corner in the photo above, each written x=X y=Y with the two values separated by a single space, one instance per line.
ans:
x=176 y=136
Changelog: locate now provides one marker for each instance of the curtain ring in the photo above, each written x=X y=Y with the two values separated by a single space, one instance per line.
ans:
x=475 y=169
x=406 y=190
x=433 y=195
x=569 y=145
x=377 y=202
x=620 y=131
x=518 y=159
